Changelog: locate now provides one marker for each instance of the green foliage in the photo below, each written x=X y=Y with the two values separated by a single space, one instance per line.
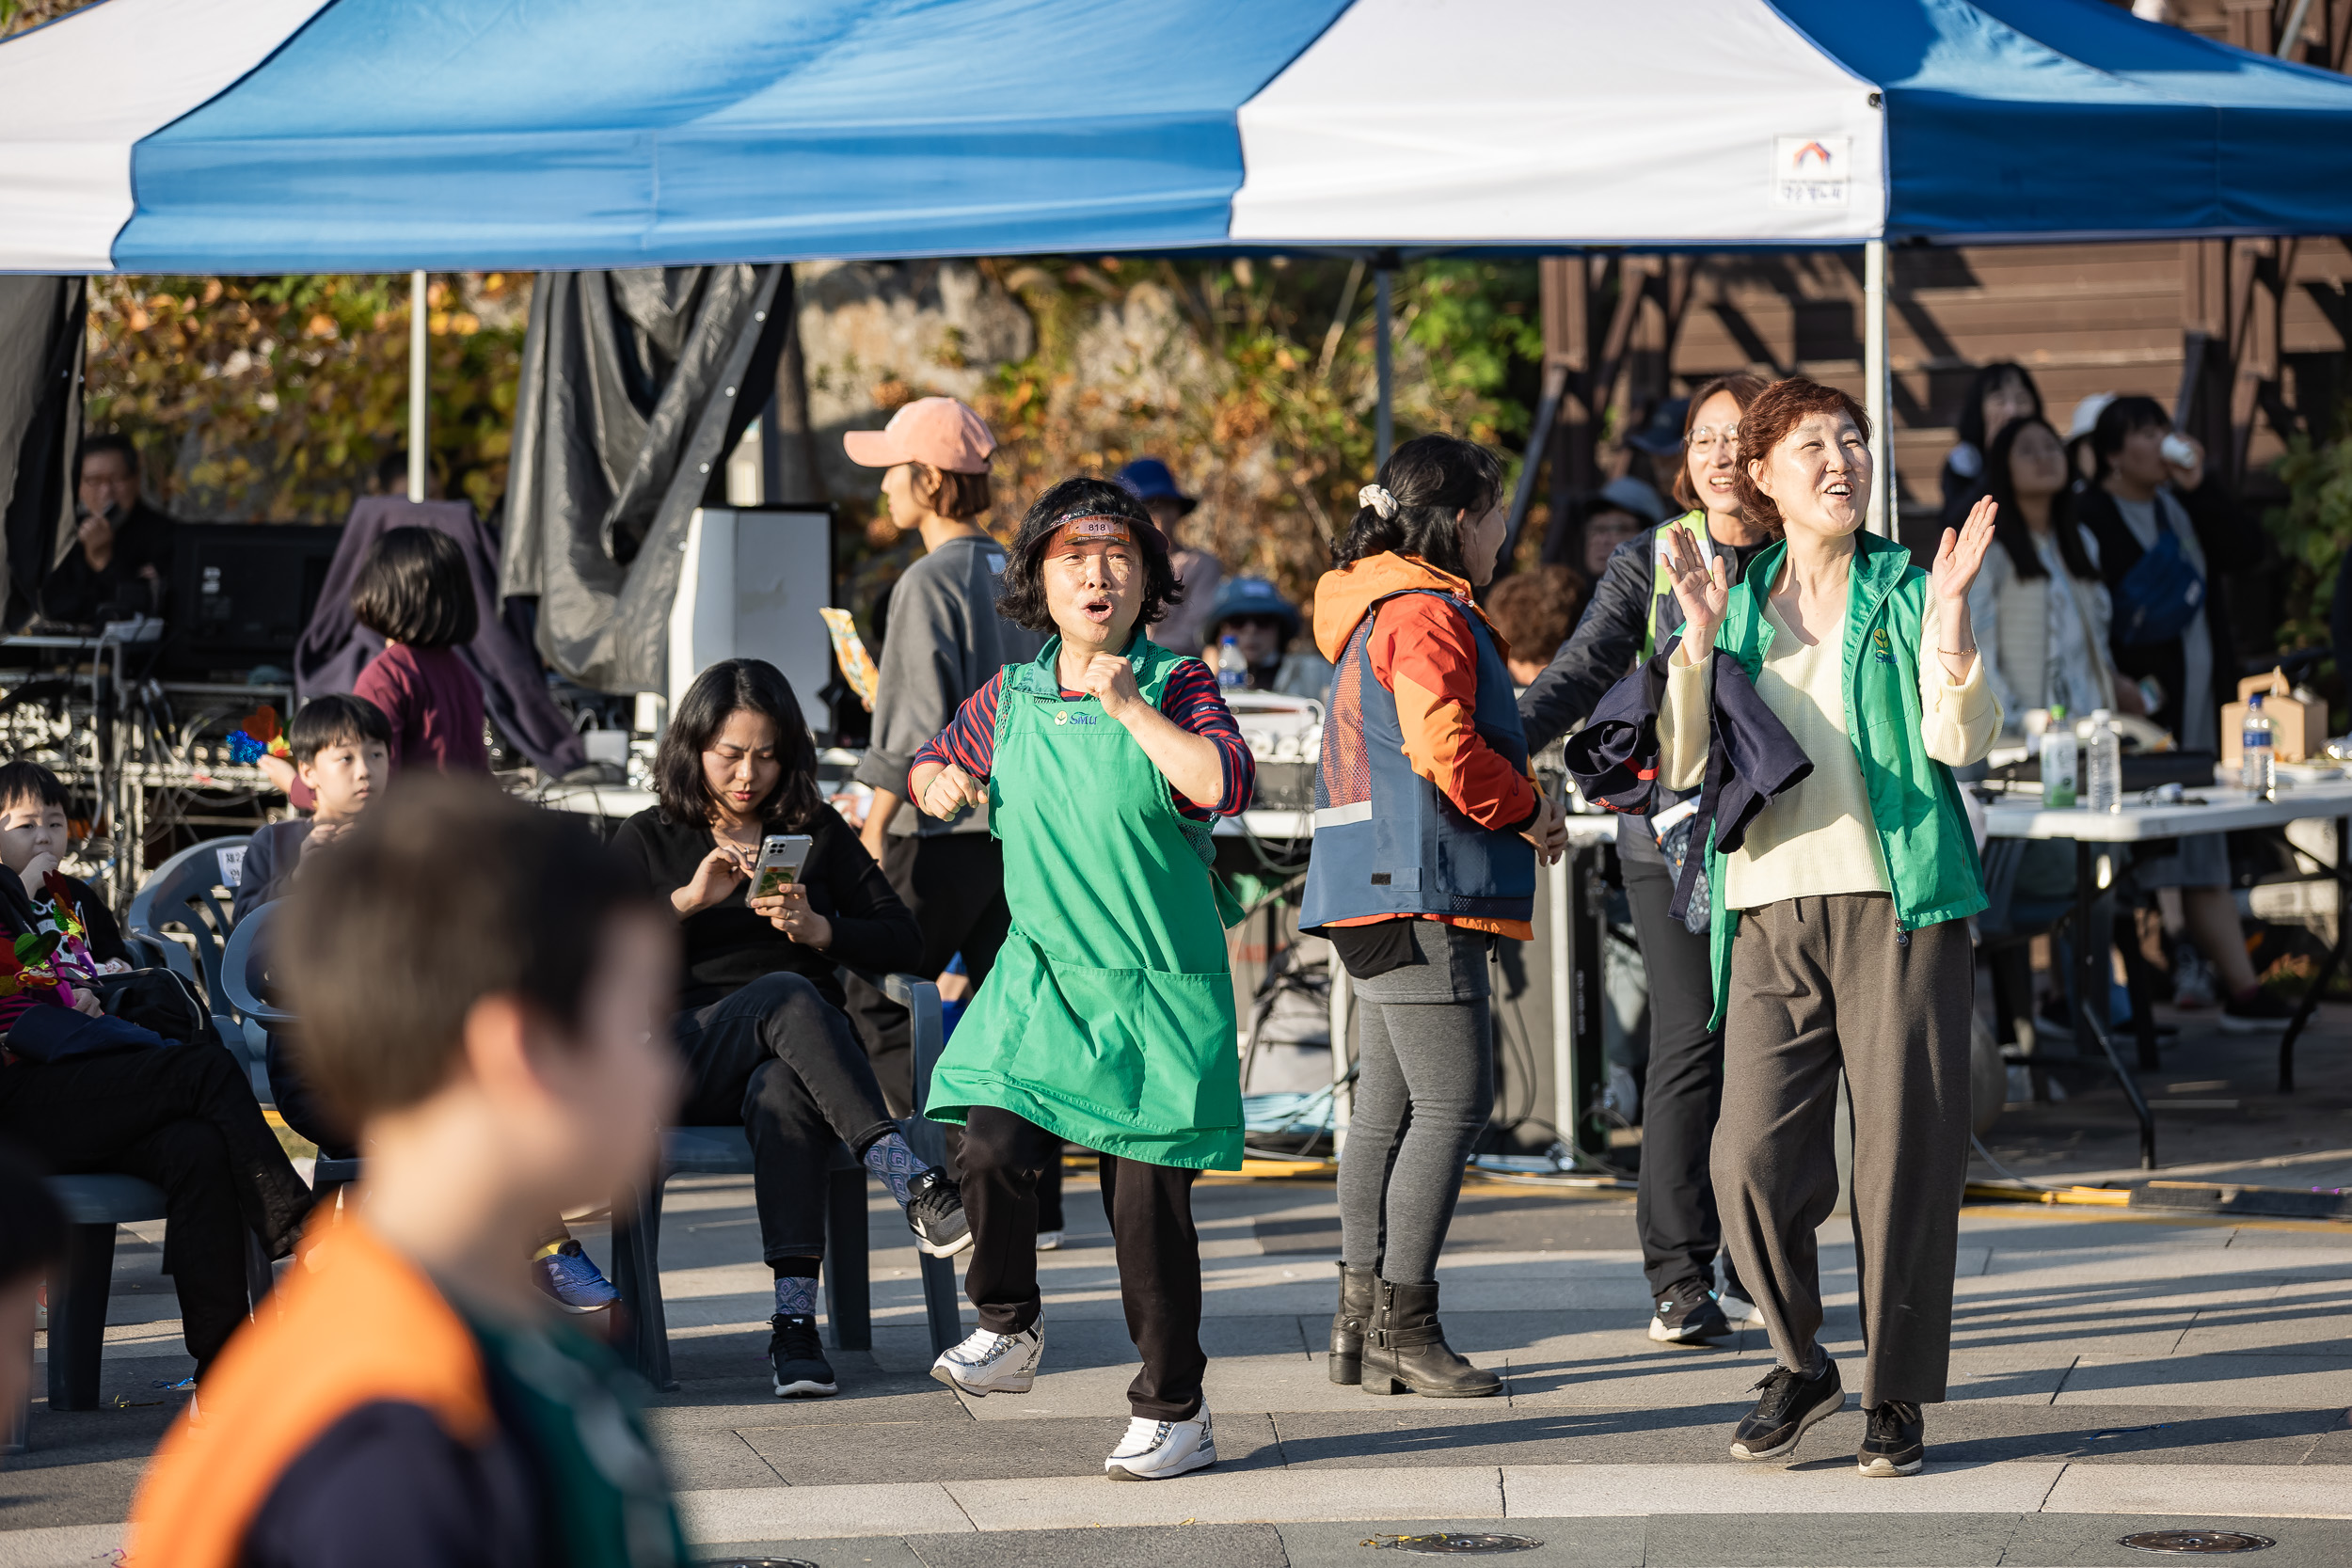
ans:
x=2312 y=531
x=275 y=398
x=1260 y=389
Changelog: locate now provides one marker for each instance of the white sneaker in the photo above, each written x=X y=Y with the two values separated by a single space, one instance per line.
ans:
x=987 y=1363
x=1743 y=1313
x=1155 y=1450
x=1049 y=1241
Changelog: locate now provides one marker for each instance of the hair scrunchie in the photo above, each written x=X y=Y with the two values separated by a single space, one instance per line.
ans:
x=1378 y=497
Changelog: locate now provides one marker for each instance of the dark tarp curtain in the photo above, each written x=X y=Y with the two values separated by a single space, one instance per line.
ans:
x=635 y=387
x=335 y=647
x=41 y=424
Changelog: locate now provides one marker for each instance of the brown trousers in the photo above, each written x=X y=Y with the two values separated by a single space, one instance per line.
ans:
x=1819 y=984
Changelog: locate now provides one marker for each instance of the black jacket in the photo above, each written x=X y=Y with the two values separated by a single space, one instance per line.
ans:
x=2230 y=546
x=271 y=856
x=83 y=595
x=1606 y=642
x=727 y=946
x=1751 y=757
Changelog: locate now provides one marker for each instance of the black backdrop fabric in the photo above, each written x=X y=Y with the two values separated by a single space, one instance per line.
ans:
x=635 y=387
x=41 y=424
x=335 y=647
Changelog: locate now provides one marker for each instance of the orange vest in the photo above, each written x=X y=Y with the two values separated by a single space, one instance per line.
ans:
x=353 y=1324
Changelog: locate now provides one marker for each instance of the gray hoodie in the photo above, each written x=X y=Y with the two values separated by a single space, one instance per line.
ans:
x=944 y=639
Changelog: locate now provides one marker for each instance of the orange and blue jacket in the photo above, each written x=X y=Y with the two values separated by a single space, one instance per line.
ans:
x=1424 y=653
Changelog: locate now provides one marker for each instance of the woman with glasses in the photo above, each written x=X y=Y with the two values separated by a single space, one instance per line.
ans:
x=1632 y=613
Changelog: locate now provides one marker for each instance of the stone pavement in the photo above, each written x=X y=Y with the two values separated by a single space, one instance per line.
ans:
x=2109 y=1375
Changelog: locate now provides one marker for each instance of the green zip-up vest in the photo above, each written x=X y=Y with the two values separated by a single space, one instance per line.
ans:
x=1923 y=831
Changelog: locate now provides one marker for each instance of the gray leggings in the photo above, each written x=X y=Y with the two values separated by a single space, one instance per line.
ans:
x=1426 y=1087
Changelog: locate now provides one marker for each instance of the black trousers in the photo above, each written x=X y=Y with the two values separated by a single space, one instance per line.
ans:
x=954 y=886
x=300 y=1107
x=1150 y=1209
x=1673 y=1209
x=779 y=1058
x=183 y=1117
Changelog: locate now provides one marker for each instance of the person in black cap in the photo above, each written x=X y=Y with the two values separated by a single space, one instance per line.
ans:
x=1262 y=623
x=1149 y=481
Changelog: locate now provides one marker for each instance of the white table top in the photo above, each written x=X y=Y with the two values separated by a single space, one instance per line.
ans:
x=617 y=802
x=2225 y=809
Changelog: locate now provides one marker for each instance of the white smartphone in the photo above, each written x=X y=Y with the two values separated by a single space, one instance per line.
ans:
x=781 y=857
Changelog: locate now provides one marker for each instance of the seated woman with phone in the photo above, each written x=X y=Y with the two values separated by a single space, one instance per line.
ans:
x=772 y=890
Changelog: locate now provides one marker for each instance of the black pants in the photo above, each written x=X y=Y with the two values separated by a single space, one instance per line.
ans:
x=300 y=1107
x=954 y=886
x=1150 y=1209
x=779 y=1058
x=183 y=1117
x=1673 y=1209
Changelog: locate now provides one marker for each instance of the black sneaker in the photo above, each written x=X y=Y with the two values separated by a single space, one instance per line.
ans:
x=798 y=1360
x=1896 y=1445
x=935 y=1214
x=2256 y=1014
x=1791 y=1403
x=1688 y=1315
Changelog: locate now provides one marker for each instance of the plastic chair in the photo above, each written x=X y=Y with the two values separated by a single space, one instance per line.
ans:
x=179 y=892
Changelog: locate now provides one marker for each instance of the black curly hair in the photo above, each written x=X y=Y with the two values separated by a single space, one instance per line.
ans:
x=1022 y=601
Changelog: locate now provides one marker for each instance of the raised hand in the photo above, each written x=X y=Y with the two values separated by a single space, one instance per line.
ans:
x=1960 y=555
x=1110 y=679
x=1702 y=587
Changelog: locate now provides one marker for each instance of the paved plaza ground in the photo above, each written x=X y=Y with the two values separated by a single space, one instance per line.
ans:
x=2109 y=1375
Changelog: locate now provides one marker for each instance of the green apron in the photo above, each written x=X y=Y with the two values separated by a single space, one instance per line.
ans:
x=1108 y=1017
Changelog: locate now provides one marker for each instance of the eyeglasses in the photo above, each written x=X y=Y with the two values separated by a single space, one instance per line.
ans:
x=1706 y=438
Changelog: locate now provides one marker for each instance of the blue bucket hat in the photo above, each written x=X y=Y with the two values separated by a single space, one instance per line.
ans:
x=1148 y=479
x=1251 y=596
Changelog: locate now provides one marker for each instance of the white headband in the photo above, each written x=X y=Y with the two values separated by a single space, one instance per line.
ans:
x=1378 y=499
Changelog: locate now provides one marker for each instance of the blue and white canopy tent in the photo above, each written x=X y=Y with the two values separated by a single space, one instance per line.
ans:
x=274 y=135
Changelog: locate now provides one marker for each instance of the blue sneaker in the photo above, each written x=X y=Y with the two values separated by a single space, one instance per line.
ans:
x=571 y=1278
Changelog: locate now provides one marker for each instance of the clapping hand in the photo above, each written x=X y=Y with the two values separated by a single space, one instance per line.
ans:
x=1549 y=832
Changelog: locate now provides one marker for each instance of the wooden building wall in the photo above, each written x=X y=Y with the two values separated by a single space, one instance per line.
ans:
x=2252 y=336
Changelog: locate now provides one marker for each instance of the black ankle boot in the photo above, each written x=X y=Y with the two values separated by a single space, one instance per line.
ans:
x=1405 y=1348
x=1347 y=1325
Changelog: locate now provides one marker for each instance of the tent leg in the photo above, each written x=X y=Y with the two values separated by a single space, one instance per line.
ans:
x=1881 y=514
x=1384 y=422
x=416 y=386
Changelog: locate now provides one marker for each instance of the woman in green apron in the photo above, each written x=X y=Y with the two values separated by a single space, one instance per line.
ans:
x=1107 y=1021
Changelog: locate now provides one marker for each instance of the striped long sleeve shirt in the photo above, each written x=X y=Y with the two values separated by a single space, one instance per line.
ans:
x=1190 y=700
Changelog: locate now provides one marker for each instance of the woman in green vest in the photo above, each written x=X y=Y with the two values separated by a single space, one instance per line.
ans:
x=1838 y=926
x=1107 y=1021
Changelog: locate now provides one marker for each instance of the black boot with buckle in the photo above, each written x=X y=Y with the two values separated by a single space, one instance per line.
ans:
x=1348 y=1323
x=1405 y=1348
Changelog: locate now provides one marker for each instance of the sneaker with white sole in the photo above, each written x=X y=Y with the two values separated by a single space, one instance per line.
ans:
x=1049 y=1241
x=1688 y=1315
x=796 y=1358
x=1155 y=1450
x=989 y=1363
x=1743 y=1313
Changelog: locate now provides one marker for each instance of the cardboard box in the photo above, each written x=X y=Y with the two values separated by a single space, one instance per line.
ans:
x=2298 y=729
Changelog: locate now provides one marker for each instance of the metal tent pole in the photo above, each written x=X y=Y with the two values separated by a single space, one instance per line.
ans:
x=1384 y=421
x=416 y=386
x=1882 y=516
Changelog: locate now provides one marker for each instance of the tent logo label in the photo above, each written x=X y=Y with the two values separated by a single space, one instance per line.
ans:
x=1812 y=172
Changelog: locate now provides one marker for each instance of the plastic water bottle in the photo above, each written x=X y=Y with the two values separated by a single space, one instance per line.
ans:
x=2106 y=789
x=2060 y=759
x=2257 y=765
x=1233 y=670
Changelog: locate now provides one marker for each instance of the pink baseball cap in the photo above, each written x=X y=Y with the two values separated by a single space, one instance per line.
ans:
x=941 y=432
